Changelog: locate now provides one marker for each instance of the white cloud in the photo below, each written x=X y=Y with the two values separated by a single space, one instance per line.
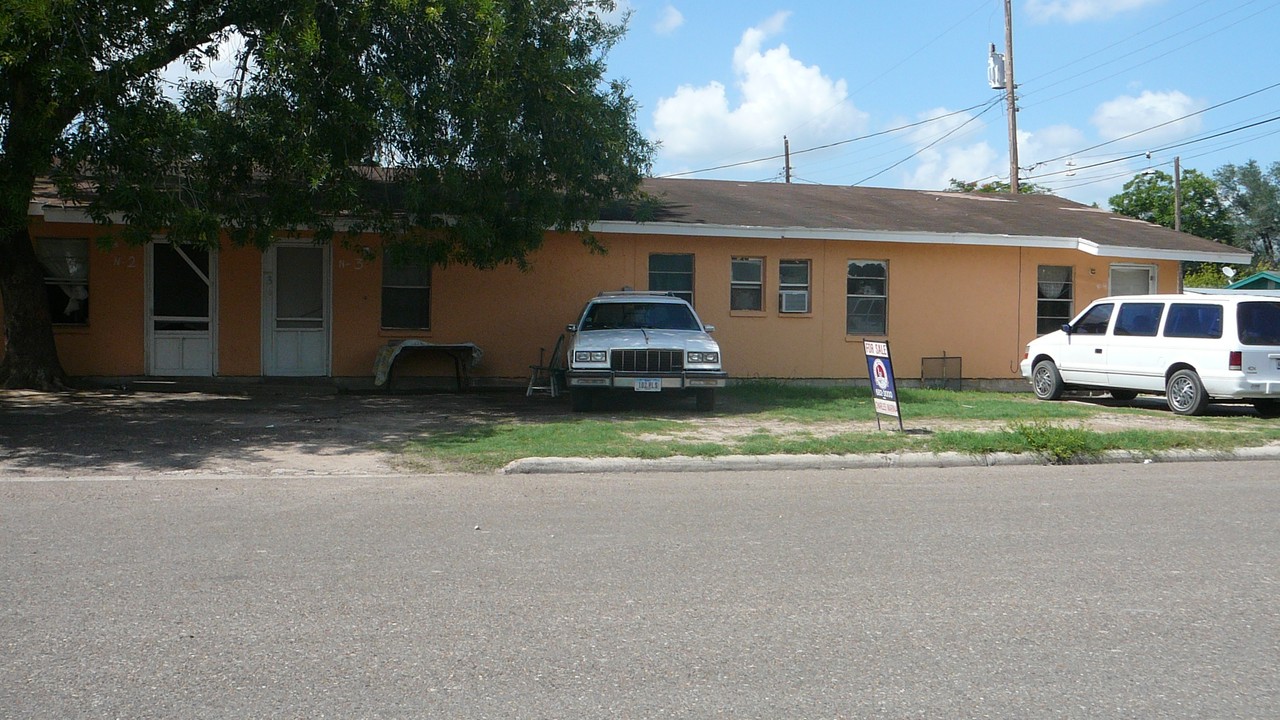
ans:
x=777 y=95
x=946 y=151
x=1074 y=11
x=937 y=167
x=670 y=21
x=1126 y=115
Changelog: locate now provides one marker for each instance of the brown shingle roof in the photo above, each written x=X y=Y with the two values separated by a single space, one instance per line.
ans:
x=847 y=210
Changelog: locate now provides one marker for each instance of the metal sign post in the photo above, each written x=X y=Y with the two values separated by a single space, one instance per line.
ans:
x=884 y=389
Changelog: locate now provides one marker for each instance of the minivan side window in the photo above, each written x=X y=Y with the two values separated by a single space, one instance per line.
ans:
x=1259 y=323
x=1139 y=319
x=1094 y=321
x=1187 y=320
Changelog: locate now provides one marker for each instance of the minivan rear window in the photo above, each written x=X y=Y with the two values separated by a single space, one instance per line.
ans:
x=1188 y=320
x=1259 y=323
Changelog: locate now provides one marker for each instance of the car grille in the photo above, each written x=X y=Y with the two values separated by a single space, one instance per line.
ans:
x=646 y=360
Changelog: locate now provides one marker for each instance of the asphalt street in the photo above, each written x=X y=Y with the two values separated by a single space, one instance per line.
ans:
x=1116 y=591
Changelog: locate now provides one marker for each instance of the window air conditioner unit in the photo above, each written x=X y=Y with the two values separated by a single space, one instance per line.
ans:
x=794 y=301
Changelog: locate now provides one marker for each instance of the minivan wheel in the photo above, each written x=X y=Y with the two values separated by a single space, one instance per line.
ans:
x=1124 y=395
x=1047 y=381
x=1185 y=393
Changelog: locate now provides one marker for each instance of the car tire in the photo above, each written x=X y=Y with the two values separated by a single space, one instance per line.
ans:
x=1267 y=408
x=706 y=400
x=582 y=400
x=1124 y=395
x=1047 y=381
x=1185 y=393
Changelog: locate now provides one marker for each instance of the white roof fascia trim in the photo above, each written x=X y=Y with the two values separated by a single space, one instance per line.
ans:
x=893 y=236
x=757 y=232
x=67 y=214
x=1230 y=258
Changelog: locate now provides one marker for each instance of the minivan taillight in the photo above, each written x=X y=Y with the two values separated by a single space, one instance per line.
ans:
x=1235 y=361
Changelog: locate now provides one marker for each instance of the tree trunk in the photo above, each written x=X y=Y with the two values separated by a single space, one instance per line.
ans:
x=30 y=357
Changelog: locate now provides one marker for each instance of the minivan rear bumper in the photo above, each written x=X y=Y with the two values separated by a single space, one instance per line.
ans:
x=1241 y=387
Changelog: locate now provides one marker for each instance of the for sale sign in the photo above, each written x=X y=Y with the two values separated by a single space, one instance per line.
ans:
x=884 y=390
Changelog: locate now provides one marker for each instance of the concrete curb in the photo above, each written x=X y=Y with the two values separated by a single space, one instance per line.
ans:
x=569 y=465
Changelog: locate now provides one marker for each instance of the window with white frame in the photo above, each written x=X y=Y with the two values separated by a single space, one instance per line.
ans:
x=746 y=288
x=406 y=296
x=793 y=286
x=673 y=273
x=65 y=262
x=1055 y=296
x=867 y=297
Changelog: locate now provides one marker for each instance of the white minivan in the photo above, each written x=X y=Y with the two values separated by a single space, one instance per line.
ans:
x=1192 y=348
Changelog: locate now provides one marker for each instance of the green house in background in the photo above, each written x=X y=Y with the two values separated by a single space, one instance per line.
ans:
x=1265 y=280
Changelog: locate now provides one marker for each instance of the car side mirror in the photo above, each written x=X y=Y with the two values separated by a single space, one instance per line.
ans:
x=709 y=328
x=571 y=328
x=1066 y=328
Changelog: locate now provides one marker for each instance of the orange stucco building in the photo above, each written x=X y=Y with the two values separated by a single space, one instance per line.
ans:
x=793 y=278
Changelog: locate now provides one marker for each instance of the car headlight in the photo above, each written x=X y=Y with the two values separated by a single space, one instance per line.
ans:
x=590 y=356
x=704 y=358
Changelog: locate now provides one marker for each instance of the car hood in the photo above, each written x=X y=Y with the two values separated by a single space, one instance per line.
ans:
x=645 y=339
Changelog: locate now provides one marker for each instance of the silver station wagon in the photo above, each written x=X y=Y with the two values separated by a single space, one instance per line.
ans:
x=634 y=341
x=1193 y=349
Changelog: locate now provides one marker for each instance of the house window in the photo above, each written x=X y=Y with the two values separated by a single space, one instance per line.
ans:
x=66 y=278
x=1054 y=297
x=406 y=296
x=672 y=273
x=746 y=289
x=867 y=297
x=793 y=286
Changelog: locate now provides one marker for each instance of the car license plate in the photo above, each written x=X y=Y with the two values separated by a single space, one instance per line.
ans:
x=648 y=384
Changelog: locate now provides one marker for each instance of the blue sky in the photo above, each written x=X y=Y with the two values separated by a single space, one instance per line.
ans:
x=1098 y=80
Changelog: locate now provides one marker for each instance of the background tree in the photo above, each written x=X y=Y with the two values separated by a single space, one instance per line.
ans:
x=1149 y=196
x=996 y=186
x=1253 y=198
x=462 y=129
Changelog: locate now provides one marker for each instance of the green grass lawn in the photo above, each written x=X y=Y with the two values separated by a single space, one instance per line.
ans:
x=765 y=418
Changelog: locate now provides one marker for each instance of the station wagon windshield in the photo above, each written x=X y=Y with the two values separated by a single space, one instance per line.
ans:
x=637 y=316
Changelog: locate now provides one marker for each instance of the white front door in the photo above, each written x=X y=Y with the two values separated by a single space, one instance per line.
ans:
x=181 y=310
x=295 y=309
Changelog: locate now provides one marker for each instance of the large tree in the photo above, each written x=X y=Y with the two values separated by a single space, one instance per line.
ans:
x=1253 y=196
x=1150 y=196
x=462 y=129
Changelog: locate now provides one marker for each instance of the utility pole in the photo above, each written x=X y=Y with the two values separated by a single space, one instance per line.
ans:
x=1177 y=193
x=1009 y=90
x=786 y=151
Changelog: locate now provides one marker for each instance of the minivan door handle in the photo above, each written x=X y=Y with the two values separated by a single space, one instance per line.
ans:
x=1097 y=351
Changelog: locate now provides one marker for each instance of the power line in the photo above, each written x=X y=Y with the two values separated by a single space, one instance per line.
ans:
x=828 y=145
x=953 y=131
x=1160 y=125
x=1166 y=148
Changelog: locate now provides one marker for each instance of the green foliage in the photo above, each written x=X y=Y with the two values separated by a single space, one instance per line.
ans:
x=996 y=186
x=1149 y=196
x=1056 y=443
x=1205 y=275
x=465 y=128
x=488 y=121
x=1253 y=196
